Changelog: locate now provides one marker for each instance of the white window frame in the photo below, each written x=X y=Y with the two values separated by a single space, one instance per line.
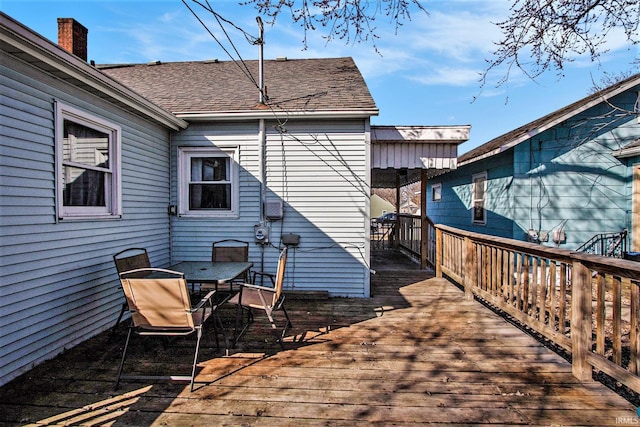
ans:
x=113 y=183
x=185 y=154
x=477 y=179
x=436 y=192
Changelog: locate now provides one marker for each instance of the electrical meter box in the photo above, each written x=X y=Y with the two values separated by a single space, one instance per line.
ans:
x=261 y=233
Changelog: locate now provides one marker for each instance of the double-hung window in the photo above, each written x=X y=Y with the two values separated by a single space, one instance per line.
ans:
x=208 y=181
x=87 y=165
x=479 y=194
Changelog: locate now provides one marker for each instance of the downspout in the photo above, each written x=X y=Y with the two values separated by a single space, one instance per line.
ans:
x=171 y=215
x=261 y=124
x=262 y=134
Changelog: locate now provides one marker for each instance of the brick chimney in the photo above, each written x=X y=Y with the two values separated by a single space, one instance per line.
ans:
x=72 y=37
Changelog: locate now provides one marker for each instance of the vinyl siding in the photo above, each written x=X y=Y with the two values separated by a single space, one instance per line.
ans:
x=563 y=177
x=58 y=283
x=320 y=172
x=192 y=237
x=454 y=209
x=568 y=177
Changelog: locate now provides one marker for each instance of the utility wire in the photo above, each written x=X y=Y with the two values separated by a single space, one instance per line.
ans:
x=281 y=127
x=251 y=39
x=245 y=70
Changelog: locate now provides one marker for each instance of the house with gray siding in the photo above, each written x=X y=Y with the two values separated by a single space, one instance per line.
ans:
x=290 y=158
x=557 y=181
x=84 y=173
x=170 y=157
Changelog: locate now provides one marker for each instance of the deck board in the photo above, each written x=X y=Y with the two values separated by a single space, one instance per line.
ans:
x=416 y=352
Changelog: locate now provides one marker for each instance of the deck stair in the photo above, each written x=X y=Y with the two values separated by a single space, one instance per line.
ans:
x=606 y=244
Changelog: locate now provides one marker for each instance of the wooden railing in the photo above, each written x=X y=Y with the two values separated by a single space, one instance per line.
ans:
x=419 y=243
x=587 y=304
x=382 y=235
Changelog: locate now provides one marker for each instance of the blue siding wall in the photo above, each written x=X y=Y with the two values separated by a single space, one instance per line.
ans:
x=568 y=178
x=563 y=178
x=58 y=285
x=454 y=209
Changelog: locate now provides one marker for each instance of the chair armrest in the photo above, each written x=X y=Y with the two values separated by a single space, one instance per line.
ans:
x=271 y=276
x=203 y=301
x=261 y=288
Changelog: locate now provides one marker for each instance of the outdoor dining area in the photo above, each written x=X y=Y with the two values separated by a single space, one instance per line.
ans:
x=416 y=352
x=180 y=300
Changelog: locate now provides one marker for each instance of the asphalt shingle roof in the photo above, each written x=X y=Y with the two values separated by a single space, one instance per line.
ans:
x=212 y=86
x=522 y=132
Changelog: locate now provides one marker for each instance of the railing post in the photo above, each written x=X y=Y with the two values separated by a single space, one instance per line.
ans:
x=424 y=237
x=424 y=233
x=468 y=268
x=439 y=249
x=581 y=312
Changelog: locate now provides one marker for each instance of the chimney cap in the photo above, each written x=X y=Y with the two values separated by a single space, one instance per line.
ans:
x=71 y=21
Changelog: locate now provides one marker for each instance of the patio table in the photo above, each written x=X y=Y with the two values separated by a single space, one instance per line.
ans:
x=209 y=272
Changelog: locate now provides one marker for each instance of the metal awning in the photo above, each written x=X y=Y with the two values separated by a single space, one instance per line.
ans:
x=405 y=151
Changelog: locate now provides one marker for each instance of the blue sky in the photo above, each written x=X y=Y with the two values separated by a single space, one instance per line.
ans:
x=426 y=73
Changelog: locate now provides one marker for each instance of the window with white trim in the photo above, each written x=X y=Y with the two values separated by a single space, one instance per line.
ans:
x=87 y=165
x=436 y=192
x=208 y=181
x=479 y=194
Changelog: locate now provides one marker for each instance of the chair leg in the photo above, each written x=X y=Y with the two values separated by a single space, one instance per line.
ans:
x=287 y=325
x=239 y=322
x=195 y=358
x=217 y=323
x=286 y=315
x=124 y=355
x=122 y=310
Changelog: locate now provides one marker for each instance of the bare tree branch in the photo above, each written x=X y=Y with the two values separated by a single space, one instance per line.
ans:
x=537 y=36
x=349 y=20
x=546 y=34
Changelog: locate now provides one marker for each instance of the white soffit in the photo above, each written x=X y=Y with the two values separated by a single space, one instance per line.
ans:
x=416 y=147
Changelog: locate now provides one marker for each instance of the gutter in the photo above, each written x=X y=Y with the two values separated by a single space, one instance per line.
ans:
x=196 y=116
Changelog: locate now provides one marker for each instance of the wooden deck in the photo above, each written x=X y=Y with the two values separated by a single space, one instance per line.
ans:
x=416 y=352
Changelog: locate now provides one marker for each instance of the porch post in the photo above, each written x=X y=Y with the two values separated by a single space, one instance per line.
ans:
x=396 y=229
x=424 y=232
x=439 y=250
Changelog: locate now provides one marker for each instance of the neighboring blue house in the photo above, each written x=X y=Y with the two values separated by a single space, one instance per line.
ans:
x=558 y=181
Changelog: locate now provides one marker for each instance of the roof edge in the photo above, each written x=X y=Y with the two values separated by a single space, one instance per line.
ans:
x=33 y=44
x=546 y=122
x=452 y=134
x=200 y=116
